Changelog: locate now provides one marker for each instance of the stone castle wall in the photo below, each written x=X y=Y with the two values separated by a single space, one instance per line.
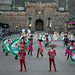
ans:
x=20 y=18
x=5 y=4
x=14 y=19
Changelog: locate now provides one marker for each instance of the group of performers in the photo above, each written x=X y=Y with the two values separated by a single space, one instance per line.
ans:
x=68 y=40
x=19 y=47
x=24 y=43
x=70 y=51
x=56 y=36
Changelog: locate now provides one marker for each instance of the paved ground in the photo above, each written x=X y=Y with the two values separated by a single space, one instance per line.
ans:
x=37 y=66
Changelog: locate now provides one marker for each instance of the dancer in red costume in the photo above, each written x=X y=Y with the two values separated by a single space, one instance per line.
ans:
x=30 y=46
x=68 y=52
x=22 y=54
x=52 y=54
x=40 y=48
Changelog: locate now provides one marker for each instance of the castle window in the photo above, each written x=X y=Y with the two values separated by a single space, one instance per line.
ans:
x=29 y=20
x=66 y=5
x=61 y=8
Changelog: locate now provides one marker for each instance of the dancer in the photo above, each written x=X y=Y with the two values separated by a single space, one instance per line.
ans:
x=40 y=35
x=22 y=54
x=71 y=36
x=52 y=54
x=66 y=40
x=24 y=41
x=8 y=42
x=40 y=48
x=28 y=33
x=23 y=32
x=62 y=35
x=55 y=36
x=30 y=46
x=68 y=52
x=3 y=48
x=35 y=37
x=58 y=35
x=47 y=41
x=14 y=47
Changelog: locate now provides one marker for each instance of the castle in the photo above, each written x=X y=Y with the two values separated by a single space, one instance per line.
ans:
x=40 y=15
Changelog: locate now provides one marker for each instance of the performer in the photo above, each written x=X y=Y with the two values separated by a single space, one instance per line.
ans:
x=55 y=36
x=71 y=36
x=62 y=35
x=9 y=41
x=66 y=40
x=40 y=35
x=23 y=32
x=30 y=46
x=40 y=48
x=47 y=41
x=52 y=54
x=35 y=37
x=3 y=48
x=22 y=54
x=68 y=52
x=28 y=33
x=72 y=56
x=31 y=37
x=24 y=41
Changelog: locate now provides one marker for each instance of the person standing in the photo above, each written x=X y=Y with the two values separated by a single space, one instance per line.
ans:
x=62 y=35
x=52 y=53
x=66 y=40
x=22 y=55
x=69 y=35
x=35 y=37
x=40 y=35
x=55 y=36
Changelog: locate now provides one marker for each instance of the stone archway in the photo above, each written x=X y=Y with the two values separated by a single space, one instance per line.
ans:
x=39 y=25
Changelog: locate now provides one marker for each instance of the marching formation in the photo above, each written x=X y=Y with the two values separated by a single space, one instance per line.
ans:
x=24 y=45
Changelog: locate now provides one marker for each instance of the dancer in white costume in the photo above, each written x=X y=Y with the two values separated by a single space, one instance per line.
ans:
x=71 y=36
x=40 y=35
x=55 y=36
x=58 y=35
x=23 y=32
x=28 y=33
x=35 y=37
x=62 y=35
